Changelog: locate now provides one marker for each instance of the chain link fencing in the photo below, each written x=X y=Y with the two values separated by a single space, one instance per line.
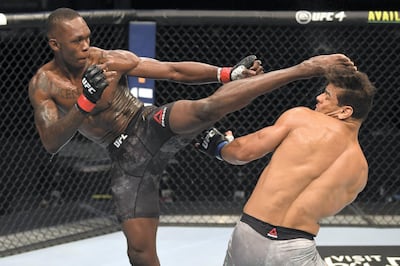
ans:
x=47 y=200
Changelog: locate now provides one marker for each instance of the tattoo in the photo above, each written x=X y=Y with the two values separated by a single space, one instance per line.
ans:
x=43 y=82
x=67 y=93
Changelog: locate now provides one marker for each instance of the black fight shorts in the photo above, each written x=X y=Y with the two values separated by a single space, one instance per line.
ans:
x=139 y=156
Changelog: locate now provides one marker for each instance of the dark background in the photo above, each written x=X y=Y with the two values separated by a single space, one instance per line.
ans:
x=40 y=191
x=17 y=6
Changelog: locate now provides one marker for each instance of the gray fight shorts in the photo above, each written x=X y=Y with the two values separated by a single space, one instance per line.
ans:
x=273 y=246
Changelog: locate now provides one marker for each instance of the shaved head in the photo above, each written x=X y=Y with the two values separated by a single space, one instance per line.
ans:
x=57 y=16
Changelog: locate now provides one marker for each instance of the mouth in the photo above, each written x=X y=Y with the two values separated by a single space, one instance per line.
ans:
x=82 y=61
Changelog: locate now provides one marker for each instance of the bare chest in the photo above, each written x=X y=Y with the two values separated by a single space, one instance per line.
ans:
x=66 y=93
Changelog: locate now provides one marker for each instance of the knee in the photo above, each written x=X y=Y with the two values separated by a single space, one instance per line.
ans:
x=209 y=110
x=142 y=257
x=137 y=257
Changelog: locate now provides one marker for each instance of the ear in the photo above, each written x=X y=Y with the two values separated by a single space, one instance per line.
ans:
x=347 y=111
x=54 y=45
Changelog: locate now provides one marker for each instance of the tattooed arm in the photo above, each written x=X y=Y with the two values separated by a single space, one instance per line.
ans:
x=55 y=129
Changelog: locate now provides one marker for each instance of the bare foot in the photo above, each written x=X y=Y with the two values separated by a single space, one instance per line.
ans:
x=320 y=65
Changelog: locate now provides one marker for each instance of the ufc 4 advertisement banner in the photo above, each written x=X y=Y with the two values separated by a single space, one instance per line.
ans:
x=363 y=256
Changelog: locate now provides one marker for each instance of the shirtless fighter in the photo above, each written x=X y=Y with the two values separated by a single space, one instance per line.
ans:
x=84 y=89
x=316 y=169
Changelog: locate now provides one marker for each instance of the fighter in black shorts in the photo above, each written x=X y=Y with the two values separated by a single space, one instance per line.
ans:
x=140 y=155
x=84 y=89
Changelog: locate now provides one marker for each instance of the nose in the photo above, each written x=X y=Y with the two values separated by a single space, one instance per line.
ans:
x=85 y=44
x=318 y=98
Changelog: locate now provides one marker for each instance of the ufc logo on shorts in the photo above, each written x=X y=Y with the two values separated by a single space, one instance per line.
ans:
x=117 y=143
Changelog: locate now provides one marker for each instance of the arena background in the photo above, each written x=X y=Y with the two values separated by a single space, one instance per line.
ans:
x=46 y=200
x=281 y=5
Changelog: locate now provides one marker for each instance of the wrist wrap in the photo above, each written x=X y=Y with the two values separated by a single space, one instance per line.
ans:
x=218 y=150
x=84 y=104
x=224 y=74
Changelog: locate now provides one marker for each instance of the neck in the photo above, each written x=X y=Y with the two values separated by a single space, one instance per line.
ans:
x=353 y=125
x=69 y=71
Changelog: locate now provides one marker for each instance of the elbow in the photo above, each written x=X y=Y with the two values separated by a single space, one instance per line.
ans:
x=241 y=161
x=51 y=143
x=236 y=162
x=51 y=148
x=236 y=159
x=235 y=154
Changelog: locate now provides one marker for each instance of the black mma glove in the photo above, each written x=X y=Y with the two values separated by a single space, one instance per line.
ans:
x=226 y=74
x=94 y=82
x=212 y=143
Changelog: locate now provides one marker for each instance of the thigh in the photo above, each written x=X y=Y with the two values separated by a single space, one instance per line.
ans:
x=299 y=251
x=248 y=247
x=139 y=162
x=190 y=117
x=136 y=196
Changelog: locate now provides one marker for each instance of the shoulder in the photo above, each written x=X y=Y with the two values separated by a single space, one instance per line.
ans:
x=39 y=86
x=296 y=114
x=300 y=110
x=101 y=55
x=42 y=76
x=115 y=59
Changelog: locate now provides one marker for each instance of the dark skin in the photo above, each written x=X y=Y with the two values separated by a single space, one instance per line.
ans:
x=55 y=87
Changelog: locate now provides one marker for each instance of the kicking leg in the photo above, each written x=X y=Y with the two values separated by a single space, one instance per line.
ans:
x=191 y=116
x=188 y=117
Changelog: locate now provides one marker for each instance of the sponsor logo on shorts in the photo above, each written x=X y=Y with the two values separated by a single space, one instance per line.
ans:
x=273 y=233
x=118 y=141
x=159 y=116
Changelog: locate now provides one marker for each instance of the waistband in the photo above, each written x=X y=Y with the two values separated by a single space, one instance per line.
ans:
x=274 y=232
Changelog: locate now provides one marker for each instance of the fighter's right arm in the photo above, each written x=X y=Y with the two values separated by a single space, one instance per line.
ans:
x=247 y=148
x=55 y=130
x=255 y=145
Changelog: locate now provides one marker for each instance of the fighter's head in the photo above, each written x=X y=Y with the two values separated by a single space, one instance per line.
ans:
x=346 y=95
x=68 y=36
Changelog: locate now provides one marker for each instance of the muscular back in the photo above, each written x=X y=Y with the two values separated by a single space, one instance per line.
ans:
x=315 y=172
